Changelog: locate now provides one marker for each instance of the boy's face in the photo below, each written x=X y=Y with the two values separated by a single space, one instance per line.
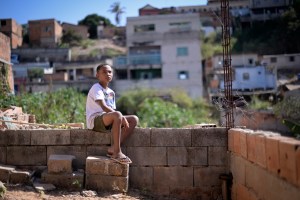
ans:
x=105 y=74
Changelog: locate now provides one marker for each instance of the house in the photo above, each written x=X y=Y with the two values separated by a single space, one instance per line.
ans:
x=148 y=10
x=163 y=52
x=79 y=30
x=6 y=74
x=13 y=30
x=44 y=33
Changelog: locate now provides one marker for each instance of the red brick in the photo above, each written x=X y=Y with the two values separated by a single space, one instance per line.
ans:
x=243 y=193
x=236 y=142
x=298 y=166
x=251 y=148
x=272 y=154
x=230 y=140
x=260 y=150
x=287 y=153
x=243 y=144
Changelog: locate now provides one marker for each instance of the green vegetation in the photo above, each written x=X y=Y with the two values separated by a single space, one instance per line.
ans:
x=169 y=108
x=117 y=10
x=70 y=38
x=257 y=104
x=62 y=106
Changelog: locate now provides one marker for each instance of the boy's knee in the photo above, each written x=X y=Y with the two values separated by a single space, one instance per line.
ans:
x=117 y=115
x=135 y=119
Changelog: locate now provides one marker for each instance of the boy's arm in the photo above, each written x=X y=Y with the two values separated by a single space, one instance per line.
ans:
x=103 y=105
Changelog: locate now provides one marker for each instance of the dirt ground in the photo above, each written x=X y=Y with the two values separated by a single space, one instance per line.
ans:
x=18 y=192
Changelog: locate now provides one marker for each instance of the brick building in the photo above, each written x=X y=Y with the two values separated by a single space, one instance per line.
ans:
x=13 y=30
x=79 y=30
x=45 y=33
x=148 y=10
x=6 y=75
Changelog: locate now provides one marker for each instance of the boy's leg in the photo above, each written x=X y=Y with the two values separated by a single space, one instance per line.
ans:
x=114 y=119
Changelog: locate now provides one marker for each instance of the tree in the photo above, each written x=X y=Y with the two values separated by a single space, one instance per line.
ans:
x=92 y=21
x=116 y=8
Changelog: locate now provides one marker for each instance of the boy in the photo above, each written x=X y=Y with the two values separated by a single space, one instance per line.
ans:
x=101 y=114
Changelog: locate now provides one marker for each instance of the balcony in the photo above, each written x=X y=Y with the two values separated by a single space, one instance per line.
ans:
x=144 y=59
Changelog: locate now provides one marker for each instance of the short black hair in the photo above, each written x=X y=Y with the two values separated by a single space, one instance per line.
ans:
x=102 y=65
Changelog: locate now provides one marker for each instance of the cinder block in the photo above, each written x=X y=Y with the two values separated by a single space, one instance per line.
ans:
x=60 y=163
x=272 y=154
x=139 y=138
x=5 y=171
x=147 y=156
x=260 y=154
x=21 y=177
x=208 y=176
x=141 y=177
x=187 y=156
x=86 y=136
x=50 y=137
x=209 y=137
x=18 y=137
x=26 y=155
x=2 y=155
x=78 y=151
x=100 y=165
x=195 y=193
x=96 y=150
x=217 y=156
x=3 y=137
x=108 y=183
x=72 y=181
x=251 y=148
x=175 y=176
x=287 y=156
x=170 y=137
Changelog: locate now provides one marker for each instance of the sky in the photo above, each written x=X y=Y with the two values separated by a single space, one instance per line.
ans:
x=72 y=11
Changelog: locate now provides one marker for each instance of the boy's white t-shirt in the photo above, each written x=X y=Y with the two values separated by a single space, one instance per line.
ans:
x=97 y=92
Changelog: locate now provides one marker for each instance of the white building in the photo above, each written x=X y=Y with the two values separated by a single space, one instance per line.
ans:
x=163 y=52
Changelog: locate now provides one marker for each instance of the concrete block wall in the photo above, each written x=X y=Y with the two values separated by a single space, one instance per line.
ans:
x=264 y=165
x=184 y=163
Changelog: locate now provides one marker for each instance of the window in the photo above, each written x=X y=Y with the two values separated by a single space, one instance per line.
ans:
x=144 y=28
x=180 y=26
x=3 y=23
x=250 y=60
x=182 y=51
x=183 y=75
x=273 y=59
x=292 y=59
x=246 y=76
x=47 y=29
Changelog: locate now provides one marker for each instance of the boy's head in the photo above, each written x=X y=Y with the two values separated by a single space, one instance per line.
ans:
x=104 y=73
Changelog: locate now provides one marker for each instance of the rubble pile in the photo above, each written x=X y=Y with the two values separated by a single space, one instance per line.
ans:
x=13 y=118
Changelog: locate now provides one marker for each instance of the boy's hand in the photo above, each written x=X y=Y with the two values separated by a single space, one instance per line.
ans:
x=125 y=123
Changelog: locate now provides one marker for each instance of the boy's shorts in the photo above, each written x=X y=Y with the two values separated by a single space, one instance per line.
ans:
x=99 y=125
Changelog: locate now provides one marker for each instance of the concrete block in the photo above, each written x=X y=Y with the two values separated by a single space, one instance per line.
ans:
x=50 y=137
x=96 y=150
x=26 y=155
x=139 y=138
x=5 y=171
x=86 y=136
x=272 y=154
x=195 y=193
x=100 y=165
x=2 y=155
x=170 y=137
x=187 y=156
x=18 y=137
x=78 y=151
x=73 y=181
x=251 y=148
x=209 y=137
x=175 y=176
x=260 y=155
x=106 y=183
x=3 y=137
x=208 y=176
x=141 y=177
x=60 y=163
x=147 y=156
x=20 y=177
x=217 y=156
x=287 y=159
